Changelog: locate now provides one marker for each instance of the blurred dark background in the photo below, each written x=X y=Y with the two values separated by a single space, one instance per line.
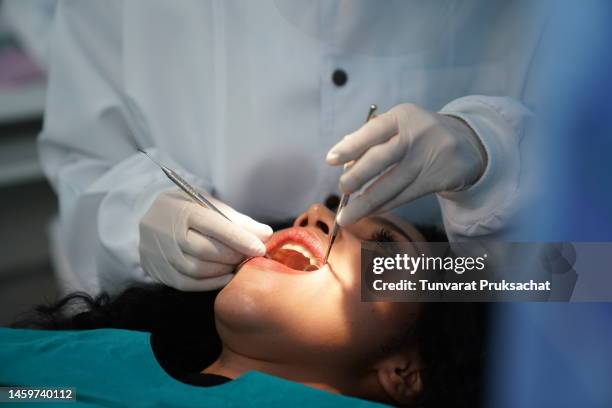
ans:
x=27 y=203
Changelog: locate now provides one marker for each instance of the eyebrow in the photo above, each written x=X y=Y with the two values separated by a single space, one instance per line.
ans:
x=388 y=224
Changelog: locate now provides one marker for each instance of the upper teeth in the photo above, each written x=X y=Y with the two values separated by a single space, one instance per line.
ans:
x=301 y=250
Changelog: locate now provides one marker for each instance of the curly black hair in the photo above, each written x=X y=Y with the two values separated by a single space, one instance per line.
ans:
x=184 y=338
x=451 y=336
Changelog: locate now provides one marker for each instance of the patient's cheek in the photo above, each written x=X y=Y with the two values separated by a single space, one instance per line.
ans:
x=346 y=262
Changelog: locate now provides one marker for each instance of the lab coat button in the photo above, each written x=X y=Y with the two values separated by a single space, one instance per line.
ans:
x=339 y=77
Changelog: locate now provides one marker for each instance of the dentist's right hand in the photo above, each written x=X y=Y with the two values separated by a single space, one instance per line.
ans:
x=193 y=248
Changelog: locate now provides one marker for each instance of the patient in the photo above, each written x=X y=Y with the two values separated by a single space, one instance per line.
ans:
x=290 y=317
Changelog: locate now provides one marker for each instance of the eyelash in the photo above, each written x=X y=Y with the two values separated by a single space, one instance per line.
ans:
x=382 y=235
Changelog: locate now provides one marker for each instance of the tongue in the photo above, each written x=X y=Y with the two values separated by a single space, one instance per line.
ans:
x=292 y=259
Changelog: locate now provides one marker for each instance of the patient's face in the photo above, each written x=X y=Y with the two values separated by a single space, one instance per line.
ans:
x=314 y=317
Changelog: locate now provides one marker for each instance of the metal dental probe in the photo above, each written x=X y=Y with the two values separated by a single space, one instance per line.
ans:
x=186 y=187
x=343 y=199
x=193 y=194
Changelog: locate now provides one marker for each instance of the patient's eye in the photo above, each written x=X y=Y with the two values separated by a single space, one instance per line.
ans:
x=382 y=235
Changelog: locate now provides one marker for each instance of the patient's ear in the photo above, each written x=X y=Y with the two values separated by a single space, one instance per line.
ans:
x=400 y=377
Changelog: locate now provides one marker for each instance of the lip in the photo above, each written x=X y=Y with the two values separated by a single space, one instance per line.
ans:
x=301 y=236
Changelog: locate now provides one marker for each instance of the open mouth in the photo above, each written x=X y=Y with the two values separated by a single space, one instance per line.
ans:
x=297 y=249
x=295 y=257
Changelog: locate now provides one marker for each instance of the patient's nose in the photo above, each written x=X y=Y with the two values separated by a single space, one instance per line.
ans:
x=317 y=216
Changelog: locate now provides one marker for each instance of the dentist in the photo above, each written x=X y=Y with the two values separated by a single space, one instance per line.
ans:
x=246 y=99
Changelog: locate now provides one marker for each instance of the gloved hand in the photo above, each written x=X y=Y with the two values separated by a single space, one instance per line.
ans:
x=410 y=152
x=192 y=248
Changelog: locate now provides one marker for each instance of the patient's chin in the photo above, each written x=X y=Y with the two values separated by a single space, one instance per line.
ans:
x=241 y=306
x=249 y=324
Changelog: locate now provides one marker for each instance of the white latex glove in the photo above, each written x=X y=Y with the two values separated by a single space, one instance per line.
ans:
x=406 y=153
x=192 y=248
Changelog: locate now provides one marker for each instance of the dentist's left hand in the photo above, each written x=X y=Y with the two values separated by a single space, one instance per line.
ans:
x=406 y=153
x=192 y=248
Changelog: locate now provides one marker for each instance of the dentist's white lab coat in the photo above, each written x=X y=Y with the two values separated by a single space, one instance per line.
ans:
x=240 y=96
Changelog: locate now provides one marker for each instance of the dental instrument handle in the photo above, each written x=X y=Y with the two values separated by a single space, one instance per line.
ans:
x=186 y=187
x=344 y=198
x=193 y=193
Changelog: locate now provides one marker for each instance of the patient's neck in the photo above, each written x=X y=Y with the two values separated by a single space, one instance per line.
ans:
x=232 y=365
